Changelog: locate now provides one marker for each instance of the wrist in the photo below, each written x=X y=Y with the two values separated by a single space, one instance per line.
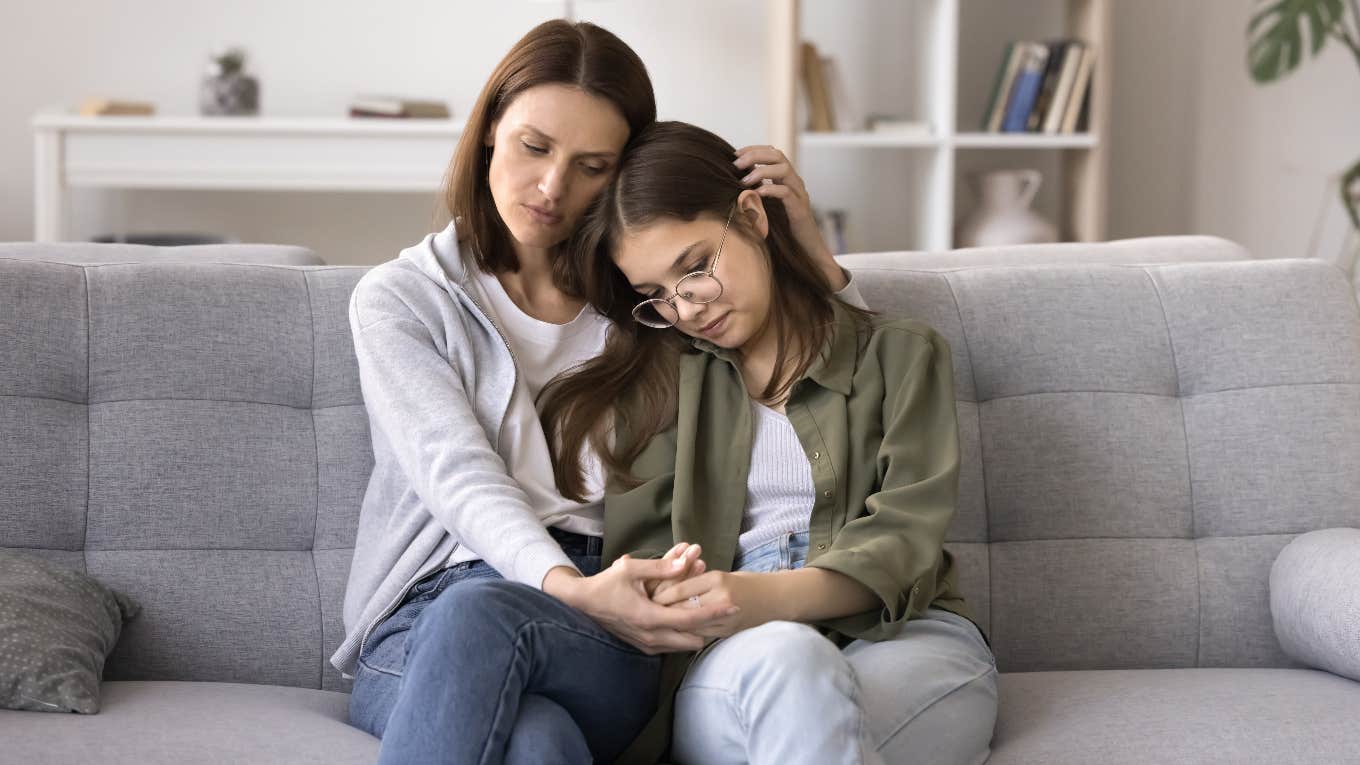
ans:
x=562 y=583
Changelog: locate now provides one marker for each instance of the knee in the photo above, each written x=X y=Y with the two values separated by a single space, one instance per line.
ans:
x=546 y=732
x=794 y=644
x=475 y=610
x=788 y=653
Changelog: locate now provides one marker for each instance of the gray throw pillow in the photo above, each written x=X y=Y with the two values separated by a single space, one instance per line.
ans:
x=1315 y=600
x=57 y=626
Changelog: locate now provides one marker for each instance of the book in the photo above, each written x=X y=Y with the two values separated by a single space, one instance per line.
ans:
x=109 y=107
x=820 y=117
x=1056 y=52
x=843 y=110
x=1057 y=109
x=1025 y=92
x=1001 y=89
x=1081 y=92
x=397 y=107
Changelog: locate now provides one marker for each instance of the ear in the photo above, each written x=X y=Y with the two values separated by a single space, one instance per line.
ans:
x=751 y=206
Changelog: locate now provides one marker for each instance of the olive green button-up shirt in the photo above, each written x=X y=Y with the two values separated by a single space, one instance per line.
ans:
x=876 y=417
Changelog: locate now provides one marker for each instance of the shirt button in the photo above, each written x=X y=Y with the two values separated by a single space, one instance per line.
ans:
x=826 y=493
x=816 y=455
x=821 y=547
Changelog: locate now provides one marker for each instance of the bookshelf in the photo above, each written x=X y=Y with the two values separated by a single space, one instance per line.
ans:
x=934 y=61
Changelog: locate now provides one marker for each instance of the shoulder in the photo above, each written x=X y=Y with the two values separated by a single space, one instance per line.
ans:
x=393 y=290
x=895 y=349
x=907 y=337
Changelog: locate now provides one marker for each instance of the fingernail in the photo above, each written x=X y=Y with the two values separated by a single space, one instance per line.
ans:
x=678 y=563
x=748 y=178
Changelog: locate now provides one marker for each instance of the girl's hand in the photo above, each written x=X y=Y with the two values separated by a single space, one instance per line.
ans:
x=617 y=599
x=693 y=566
x=769 y=164
x=743 y=600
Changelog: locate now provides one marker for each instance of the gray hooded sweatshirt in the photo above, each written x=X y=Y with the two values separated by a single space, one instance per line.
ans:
x=437 y=376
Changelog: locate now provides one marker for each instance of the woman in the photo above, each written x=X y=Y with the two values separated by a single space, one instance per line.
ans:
x=471 y=572
x=809 y=448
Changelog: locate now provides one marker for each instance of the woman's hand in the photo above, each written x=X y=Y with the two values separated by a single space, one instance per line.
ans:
x=743 y=599
x=617 y=599
x=769 y=164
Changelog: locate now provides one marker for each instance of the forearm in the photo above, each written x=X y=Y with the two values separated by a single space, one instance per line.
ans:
x=813 y=594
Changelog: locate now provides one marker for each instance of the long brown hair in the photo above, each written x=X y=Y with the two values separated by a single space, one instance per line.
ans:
x=579 y=54
x=679 y=171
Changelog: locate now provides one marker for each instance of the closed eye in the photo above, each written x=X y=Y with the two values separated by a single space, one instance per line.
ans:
x=534 y=149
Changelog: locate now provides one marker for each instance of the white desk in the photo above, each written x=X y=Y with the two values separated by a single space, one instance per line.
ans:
x=238 y=153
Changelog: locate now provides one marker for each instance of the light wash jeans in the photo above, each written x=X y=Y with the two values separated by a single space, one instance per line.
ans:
x=474 y=669
x=783 y=693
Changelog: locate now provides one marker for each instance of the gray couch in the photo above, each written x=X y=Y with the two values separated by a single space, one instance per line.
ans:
x=1140 y=442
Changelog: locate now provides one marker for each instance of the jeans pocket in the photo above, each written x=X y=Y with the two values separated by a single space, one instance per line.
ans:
x=385 y=649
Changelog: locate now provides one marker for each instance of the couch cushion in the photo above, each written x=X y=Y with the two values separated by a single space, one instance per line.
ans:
x=190 y=722
x=1315 y=600
x=1176 y=716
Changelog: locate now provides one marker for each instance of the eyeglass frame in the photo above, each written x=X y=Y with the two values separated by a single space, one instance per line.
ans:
x=675 y=293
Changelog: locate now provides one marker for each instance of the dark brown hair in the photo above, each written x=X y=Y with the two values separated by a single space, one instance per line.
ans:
x=679 y=171
x=579 y=54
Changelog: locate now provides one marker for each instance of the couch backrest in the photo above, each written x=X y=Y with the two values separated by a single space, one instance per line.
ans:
x=1139 y=442
x=94 y=252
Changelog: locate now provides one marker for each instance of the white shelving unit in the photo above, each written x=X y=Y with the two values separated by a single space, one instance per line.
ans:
x=934 y=61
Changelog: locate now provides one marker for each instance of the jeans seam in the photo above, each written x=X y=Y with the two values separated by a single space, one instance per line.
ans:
x=933 y=702
x=520 y=635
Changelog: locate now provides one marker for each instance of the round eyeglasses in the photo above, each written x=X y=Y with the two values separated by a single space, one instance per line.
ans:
x=697 y=288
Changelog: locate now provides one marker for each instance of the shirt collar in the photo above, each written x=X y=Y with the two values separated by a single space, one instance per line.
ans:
x=833 y=369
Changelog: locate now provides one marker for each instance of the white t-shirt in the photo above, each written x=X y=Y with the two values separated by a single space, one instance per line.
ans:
x=542 y=350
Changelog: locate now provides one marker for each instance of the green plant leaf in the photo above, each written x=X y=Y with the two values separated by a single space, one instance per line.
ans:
x=1350 y=193
x=1275 y=34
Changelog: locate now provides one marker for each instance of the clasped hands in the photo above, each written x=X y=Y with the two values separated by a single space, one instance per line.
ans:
x=666 y=604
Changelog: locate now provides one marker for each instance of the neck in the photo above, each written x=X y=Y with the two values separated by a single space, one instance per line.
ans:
x=532 y=289
x=758 y=361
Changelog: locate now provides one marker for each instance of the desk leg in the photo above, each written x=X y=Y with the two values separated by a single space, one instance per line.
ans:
x=49 y=187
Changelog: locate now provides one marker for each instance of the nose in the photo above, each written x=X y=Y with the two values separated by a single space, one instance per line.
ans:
x=553 y=183
x=688 y=311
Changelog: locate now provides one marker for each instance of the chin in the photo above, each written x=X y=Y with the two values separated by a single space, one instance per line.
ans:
x=532 y=235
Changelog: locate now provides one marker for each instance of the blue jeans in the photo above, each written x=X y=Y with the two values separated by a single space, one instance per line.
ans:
x=782 y=693
x=474 y=669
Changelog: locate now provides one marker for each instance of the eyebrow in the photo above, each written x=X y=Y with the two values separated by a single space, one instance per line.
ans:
x=550 y=139
x=675 y=265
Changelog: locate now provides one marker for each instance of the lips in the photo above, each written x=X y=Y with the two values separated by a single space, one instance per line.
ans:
x=543 y=216
x=715 y=326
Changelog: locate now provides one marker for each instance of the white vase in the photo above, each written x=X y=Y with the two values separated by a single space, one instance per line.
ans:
x=1003 y=215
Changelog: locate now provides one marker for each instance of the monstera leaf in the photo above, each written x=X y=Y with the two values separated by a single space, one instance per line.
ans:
x=1276 y=34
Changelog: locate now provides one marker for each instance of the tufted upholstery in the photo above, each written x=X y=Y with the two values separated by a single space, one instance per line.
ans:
x=1139 y=443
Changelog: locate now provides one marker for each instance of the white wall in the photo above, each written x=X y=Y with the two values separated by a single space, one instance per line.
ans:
x=1199 y=147
x=1196 y=147
x=312 y=56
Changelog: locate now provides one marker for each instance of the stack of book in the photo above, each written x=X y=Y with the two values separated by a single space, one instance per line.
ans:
x=112 y=107
x=1042 y=88
x=397 y=107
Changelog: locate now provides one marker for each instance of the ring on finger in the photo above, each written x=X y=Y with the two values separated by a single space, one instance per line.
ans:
x=694 y=601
